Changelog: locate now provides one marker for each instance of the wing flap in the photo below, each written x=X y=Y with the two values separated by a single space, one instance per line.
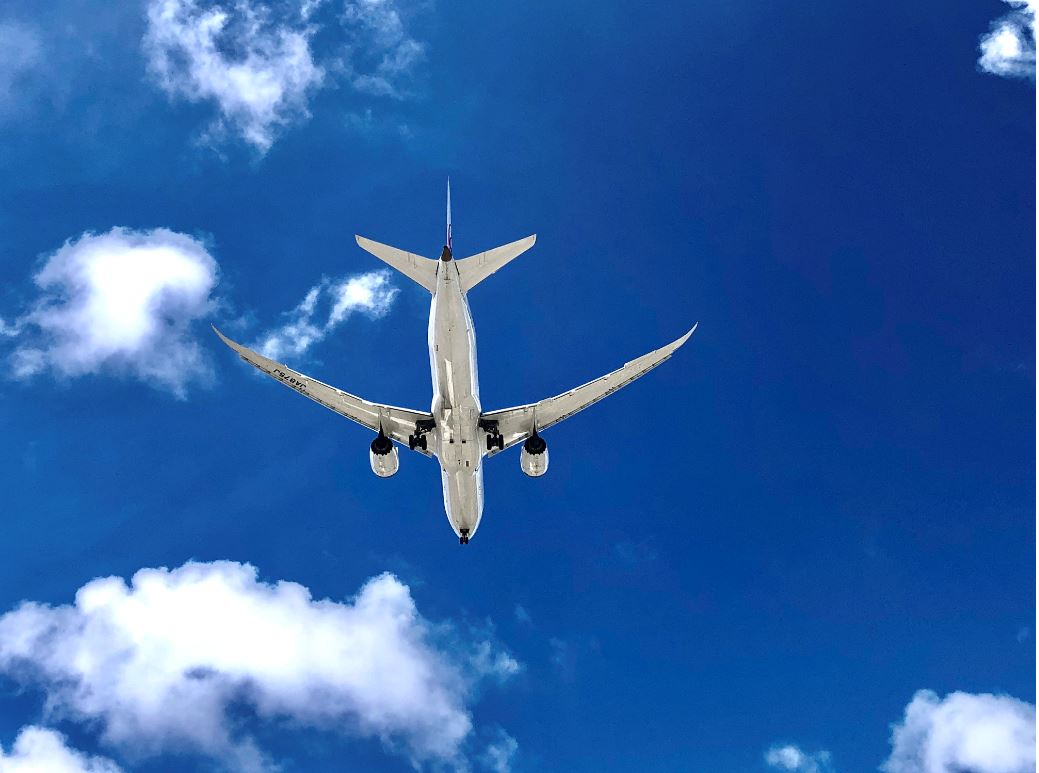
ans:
x=397 y=423
x=516 y=424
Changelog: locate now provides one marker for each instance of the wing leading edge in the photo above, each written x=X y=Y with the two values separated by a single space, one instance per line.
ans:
x=397 y=423
x=517 y=424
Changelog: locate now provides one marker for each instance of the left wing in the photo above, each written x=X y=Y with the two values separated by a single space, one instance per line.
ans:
x=400 y=424
x=516 y=424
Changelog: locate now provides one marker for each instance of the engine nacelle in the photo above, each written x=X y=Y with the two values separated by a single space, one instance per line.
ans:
x=534 y=456
x=383 y=456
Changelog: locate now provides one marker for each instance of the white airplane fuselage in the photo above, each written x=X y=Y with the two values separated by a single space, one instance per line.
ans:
x=456 y=401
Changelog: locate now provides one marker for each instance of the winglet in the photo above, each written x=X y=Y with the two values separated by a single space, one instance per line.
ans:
x=681 y=341
x=225 y=339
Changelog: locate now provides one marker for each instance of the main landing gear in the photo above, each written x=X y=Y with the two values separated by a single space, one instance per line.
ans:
x=463 y=538
x=494 y=438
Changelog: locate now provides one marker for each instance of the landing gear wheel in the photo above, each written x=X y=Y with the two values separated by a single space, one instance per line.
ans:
x=495 y=441
x=417 y=441
x=463 y=537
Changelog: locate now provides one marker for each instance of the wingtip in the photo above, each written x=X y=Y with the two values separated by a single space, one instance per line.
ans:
x=224 y=338
x=681 y=341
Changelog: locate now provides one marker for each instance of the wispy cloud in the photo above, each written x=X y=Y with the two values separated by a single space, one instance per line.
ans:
x=1008 y=49
x=324 y=308
x=20 y=52
x=497 y=757
x=258 y=62
x=257 y=69
x=790 y=757
x=385 y=53
x=122 y=301
x=161 y=664
x=39 y=750
x=981 y=733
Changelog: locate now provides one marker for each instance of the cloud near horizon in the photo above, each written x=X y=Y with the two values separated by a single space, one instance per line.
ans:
x=162 y=664
x=1008 y=48
x=122 y=301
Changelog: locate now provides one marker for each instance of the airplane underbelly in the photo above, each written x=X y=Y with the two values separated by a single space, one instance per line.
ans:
x=463 y=499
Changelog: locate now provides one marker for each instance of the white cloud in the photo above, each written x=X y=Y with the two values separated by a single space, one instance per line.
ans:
x=39 y=750
x=1008 y=49
x=393 y=54
x=963 y=732
x=122 y=301
x=497 y=757
x=326 y=306
x=162 y=664
x=20 y=52
x=258 y=62
x=257 y=69
x=791 y=758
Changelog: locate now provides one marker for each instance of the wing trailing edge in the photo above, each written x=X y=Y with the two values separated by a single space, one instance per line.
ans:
x=517 y=424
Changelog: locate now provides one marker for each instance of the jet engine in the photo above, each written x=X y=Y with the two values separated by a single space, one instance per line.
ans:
x=383 y=456
x=534 y=456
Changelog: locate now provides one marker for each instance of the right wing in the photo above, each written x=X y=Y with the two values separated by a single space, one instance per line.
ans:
x=517 y=424
x=396 y=423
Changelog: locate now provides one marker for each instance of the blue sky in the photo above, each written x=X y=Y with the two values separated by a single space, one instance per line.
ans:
x=752 y=559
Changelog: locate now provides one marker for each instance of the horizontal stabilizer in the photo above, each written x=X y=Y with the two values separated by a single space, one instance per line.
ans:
x=473 y=270
x=421 y=270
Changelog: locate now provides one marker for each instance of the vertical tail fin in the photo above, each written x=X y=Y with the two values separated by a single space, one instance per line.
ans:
x=449 y=246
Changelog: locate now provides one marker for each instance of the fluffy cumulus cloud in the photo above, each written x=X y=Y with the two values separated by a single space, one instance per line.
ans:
x=324 y=308
x=121 y=301
x=179 y=660
x=964 y=732
x=258 y=62
x=790 y=757
x=1008 y=48
x=39 y=750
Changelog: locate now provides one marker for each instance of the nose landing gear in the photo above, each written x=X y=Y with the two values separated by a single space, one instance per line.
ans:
x=463 y=538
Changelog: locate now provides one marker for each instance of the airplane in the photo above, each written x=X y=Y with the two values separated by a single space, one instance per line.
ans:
x=456 y=430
